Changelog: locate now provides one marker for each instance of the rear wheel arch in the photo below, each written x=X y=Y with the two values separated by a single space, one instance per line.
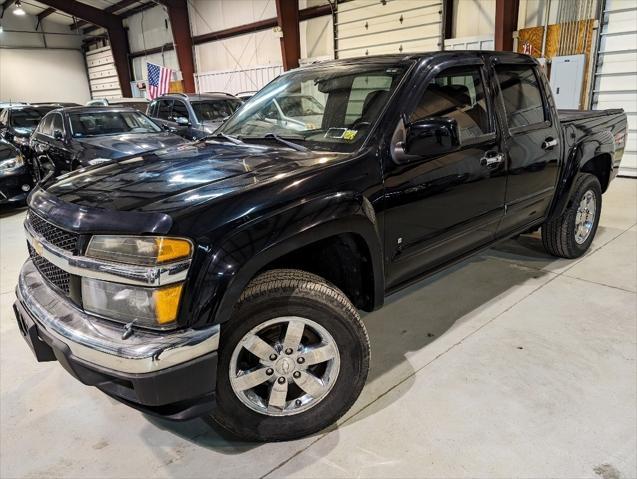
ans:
x=599 y=166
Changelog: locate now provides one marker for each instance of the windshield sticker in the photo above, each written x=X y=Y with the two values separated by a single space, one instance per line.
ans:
x=349 y=135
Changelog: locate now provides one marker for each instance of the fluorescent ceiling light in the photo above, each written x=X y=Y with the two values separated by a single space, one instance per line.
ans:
x=17 y=9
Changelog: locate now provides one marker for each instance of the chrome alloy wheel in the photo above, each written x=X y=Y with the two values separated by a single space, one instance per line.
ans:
x=284 y=366
x=585 y=217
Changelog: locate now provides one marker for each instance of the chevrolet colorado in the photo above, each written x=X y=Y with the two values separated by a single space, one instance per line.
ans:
x=225 y=276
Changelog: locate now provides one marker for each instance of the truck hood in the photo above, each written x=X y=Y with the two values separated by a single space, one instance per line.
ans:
x=118 y=146
x=186 y=175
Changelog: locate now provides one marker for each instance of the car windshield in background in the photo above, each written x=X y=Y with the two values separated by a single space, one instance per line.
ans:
x=110 y=123
x=323 y=107
x=28 y=117
x=214 y=110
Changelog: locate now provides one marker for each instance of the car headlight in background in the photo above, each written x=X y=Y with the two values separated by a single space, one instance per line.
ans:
x=11 y=163
x=139 y=250
x=150 y=307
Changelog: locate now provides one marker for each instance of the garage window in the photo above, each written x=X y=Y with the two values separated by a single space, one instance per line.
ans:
x=520 y=95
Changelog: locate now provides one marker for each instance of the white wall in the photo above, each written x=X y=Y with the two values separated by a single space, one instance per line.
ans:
x=43 y=75
x=472 y=18
x=146 y=30
x=31 y=72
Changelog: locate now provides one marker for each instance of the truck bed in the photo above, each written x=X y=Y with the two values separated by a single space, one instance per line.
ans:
x=575 y=115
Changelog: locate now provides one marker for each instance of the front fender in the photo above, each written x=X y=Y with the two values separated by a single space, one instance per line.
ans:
x=248 y=249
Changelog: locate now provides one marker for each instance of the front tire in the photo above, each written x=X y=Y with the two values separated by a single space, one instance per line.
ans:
x=292 y=360
x=571 y=234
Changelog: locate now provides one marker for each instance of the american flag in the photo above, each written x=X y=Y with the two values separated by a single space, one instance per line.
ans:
x=158 y=80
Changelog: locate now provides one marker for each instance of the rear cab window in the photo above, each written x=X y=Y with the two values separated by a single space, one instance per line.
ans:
x=521 y=96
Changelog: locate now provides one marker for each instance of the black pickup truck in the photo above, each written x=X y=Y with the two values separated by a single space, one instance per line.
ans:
x=225 y=276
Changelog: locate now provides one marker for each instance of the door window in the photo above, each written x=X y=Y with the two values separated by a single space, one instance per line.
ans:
x=179 y=110
x=164 y=108
x=521 y=95
x=45 y=125
x=457 y=93
x=57 y=123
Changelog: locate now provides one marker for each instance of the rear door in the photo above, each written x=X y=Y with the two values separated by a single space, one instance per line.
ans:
x=532 y=143
x=440 y=207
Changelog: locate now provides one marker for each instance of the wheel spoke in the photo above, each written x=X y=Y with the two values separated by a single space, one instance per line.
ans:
x=250 y=379
x=258 y=347
x=319 y=355
x=278 y=395
x=293 y=335
x=310 y=384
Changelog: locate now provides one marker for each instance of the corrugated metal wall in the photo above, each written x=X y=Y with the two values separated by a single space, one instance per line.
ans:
x=616 y=71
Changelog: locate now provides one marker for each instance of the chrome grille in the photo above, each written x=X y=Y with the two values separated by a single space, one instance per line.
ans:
x=54 y=275
x=52 y=234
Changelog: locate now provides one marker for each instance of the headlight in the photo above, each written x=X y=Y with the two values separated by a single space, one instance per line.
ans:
x=98 y=161
x=11 y=163
x=139 y=250
x=151 y=307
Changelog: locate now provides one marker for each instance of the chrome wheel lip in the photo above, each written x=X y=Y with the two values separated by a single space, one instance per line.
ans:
x=585 y=217
x=288 y=366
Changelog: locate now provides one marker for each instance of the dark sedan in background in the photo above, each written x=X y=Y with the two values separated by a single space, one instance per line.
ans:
x=71 y=138
x=15 y=176
x=17 y=122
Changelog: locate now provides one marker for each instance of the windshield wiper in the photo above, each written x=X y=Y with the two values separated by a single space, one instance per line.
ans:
x=232 y=139
x=292 y=145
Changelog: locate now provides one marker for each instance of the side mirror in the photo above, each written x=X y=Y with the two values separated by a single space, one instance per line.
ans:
x=58 y=135
x=431 y=137
x=182 y=121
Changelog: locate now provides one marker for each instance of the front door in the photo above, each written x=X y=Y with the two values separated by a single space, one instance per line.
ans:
x=440 y=207
x=532 y=145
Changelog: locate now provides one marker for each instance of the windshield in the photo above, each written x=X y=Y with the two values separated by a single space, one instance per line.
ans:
x=214 y=110
x=28 y=117
x=110 y=123
x=326 y=107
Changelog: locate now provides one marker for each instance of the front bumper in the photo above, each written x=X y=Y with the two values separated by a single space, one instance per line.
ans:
x=169 y=374
x=11 y=186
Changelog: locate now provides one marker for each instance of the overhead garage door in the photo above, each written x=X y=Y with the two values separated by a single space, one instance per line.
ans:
x=102 y=74
x=616 y=71
x=372 y=27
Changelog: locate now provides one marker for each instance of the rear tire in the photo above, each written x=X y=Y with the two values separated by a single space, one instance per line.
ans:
x=324 y=318
x=571 y=234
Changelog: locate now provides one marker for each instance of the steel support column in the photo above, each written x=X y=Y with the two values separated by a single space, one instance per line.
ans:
x=506 y=22
x=180 y=25
x=116 y=33
x=287 y=12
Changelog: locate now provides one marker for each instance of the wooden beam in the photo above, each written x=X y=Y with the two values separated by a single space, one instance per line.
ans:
x=506 y=22
x=287 y=12
x=180 y=26
x=116 y=33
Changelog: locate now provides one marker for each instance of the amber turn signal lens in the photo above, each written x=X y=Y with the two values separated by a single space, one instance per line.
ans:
x=167 y=303
x=169 y=249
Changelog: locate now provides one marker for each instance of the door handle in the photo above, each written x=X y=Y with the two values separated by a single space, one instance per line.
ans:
x=490 y=159
x=549 y=143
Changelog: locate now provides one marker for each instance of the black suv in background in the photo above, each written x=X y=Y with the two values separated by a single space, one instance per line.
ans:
x=18 y=122
x=193 y=116
x=70 y=138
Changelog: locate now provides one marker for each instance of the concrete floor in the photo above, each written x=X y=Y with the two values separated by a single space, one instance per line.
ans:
x=513 y=364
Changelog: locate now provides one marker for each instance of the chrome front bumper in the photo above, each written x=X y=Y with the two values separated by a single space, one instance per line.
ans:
x=100 y=342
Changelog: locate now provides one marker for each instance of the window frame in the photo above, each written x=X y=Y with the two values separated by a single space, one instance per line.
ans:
x=478 y=65
x=548 y=119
